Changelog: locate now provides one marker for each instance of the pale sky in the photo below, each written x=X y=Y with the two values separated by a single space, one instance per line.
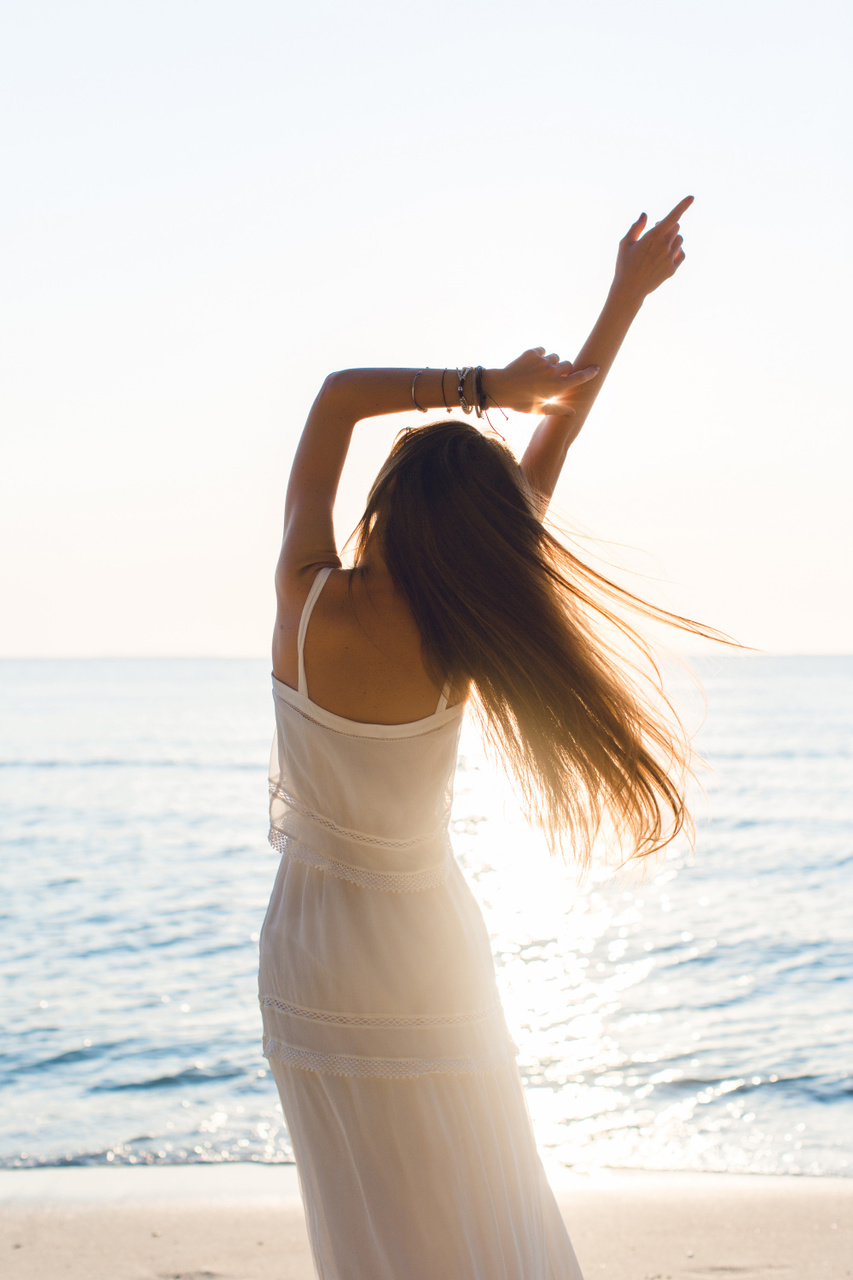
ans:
x=207 y=206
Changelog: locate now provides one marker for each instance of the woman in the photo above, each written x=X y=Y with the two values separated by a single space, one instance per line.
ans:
x=382 y=1020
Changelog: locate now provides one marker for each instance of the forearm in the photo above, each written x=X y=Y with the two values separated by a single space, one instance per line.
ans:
x=619 y=312
x=546 y=452
x=370 y=393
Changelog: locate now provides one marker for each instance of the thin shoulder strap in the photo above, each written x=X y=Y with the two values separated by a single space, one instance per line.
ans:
x=307 y=609
x=445 y=694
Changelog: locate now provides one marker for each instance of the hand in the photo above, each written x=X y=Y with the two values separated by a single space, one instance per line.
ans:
x=645 y=260
x=536 y=383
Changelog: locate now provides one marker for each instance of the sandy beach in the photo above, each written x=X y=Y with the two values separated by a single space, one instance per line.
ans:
x=245 y=1222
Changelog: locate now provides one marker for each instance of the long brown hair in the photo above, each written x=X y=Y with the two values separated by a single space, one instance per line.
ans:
x=502 y=603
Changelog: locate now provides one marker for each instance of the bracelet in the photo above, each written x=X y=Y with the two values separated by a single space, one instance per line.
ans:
x=414 y=397
x=443 y=396
x=462 y=374
x=479 y=394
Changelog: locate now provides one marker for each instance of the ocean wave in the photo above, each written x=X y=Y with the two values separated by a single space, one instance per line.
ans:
x=85 y=1053
x=192 y=1075
x=236 y=766
x=117 y=1156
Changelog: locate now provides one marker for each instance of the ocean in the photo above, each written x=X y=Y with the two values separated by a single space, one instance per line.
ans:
x=694 y=1017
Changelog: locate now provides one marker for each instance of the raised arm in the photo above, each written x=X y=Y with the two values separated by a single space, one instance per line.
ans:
x=645 y=259
x=345 y=398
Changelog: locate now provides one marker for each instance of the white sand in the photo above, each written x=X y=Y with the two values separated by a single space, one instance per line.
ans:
x=244 y=1222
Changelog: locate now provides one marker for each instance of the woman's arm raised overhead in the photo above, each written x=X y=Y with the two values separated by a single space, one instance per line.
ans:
x=644 y=261
x=525 y=385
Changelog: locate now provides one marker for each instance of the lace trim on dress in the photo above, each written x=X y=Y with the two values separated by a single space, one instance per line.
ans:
x=387 y=881
x=380 y=1020
x=340 y=1064
x=276 y=789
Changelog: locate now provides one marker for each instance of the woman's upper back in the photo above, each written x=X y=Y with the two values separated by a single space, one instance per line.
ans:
x=361 y=648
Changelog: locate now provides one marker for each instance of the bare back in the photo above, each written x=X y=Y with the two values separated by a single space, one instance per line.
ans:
x=362 y=650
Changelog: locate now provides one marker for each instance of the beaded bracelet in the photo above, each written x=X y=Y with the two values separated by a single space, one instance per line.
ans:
x=462 y=374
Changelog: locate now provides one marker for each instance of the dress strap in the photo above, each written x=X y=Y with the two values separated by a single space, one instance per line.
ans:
x=445 y=694
x=307 y=609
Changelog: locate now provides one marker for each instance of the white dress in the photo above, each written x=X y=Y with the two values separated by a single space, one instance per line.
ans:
x=382 y=1021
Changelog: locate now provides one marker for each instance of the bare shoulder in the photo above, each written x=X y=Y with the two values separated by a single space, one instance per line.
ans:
x=291 y=593
x=294 y=581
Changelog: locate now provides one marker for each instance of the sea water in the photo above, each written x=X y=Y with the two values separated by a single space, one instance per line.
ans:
x=697 y=1017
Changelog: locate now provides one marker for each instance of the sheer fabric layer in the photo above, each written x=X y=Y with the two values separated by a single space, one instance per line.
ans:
x=450 y=1185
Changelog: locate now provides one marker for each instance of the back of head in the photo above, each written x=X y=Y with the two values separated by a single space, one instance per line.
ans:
x=454 y=516
x=502 y=603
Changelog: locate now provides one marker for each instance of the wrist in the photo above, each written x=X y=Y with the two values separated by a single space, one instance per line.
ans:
x=493 y=387
x=625 y=294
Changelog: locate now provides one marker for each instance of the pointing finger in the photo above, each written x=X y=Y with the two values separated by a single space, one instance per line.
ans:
x=674 y=214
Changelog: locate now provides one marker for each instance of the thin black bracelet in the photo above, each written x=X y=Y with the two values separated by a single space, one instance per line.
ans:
x=443 y=396
x=479 y=394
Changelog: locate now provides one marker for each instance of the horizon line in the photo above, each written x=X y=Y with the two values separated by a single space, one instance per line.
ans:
x=255 y=657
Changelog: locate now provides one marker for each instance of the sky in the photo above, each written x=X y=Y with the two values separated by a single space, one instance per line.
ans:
x=208 y=206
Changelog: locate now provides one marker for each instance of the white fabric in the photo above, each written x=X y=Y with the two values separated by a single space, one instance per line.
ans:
x=381 y=1014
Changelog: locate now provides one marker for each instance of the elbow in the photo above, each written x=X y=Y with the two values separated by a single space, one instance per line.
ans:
x=332 y=380
x=339 y=393
x=335 y=384
x=336 y=392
